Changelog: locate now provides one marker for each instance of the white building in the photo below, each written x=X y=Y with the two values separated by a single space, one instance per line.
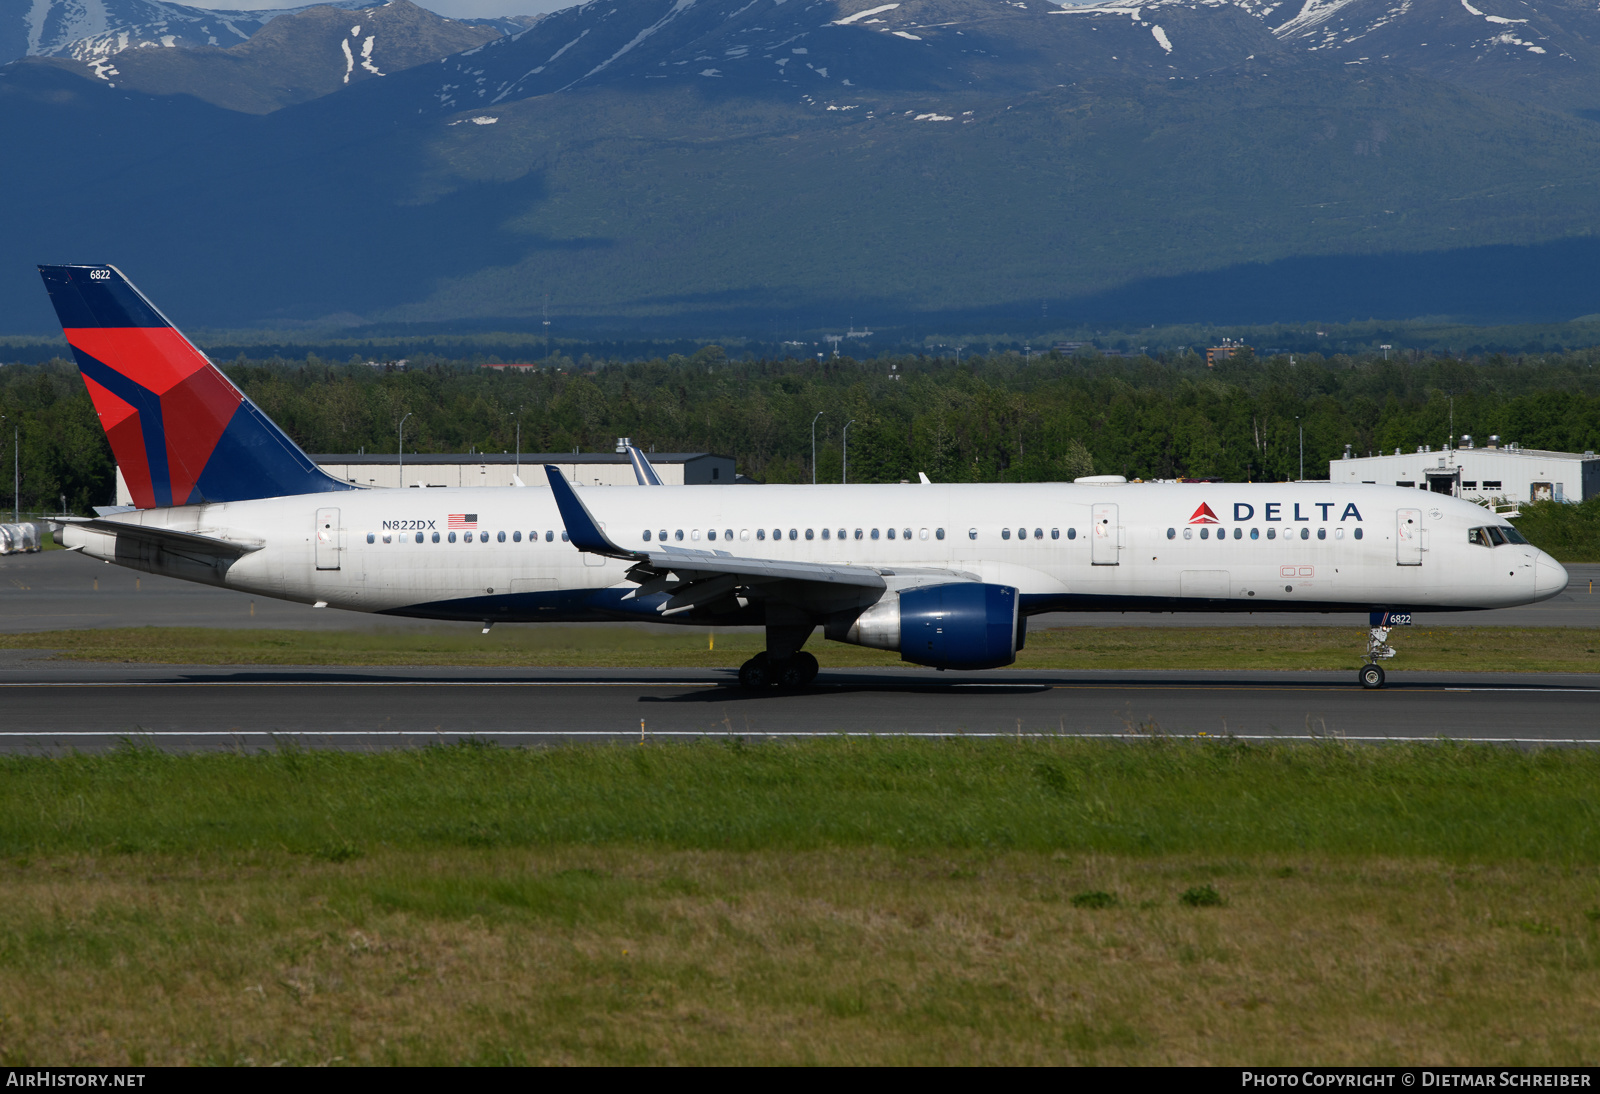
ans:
x=1508 y=472
x=481 y=469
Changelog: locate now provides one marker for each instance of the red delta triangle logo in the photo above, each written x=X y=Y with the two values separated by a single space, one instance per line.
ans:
x=1204 y=515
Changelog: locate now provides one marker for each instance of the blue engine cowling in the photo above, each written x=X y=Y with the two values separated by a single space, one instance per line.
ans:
x=963 y=625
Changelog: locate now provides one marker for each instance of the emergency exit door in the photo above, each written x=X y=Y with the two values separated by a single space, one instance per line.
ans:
x=1103 y=536
x=328 y=534
x=1408 y=537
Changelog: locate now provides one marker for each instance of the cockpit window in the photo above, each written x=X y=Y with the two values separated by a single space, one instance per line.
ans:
x=1512 y=535
x=1496 y=535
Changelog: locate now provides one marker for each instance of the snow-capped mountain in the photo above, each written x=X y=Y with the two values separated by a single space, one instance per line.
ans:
x=88 y=29
x=1006 y=45
x=298 y=56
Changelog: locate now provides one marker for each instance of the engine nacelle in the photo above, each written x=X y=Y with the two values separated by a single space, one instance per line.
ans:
x=962 y=625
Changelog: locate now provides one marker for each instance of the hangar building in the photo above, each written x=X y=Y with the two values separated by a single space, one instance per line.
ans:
x=1505 y=472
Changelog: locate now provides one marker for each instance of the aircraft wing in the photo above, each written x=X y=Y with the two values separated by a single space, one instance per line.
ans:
x=701 y=575
x=166 y=537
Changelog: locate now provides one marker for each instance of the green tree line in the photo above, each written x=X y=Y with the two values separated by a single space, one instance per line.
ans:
x=998 y=418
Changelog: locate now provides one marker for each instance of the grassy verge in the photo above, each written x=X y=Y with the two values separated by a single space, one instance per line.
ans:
x=833 y=902
x=1528 y=649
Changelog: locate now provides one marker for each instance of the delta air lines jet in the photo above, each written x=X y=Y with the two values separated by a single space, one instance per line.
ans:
x=945 y=575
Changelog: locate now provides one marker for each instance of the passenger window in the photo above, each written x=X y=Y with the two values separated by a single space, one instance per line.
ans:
x=905 y=534
x=549 y=537
x=1038 y=533
x=858 y=533
x=711 y=533
x=371 y=538
x=436 y=537
x=825 y=533
x=1357 y=533
x=678 y=535
x=694 y=534
x=1022 y=533
x=777 y=533
x=1072 y=533
x=923 y=534
x=1005 y=533
x=386 y=537
x=1272 y=533
x=1238 y=533
x=809 y=534
x=972 y=533
x=647 y=535
x=794 y=533
x=1338 y=533
x=564 y=537
x=727 y=534
x=938 y=533
x=1255 y=533
x=1205 y=533
x=761 y=533
x=452 y=538
x=842 y=535
x=483 y=537
x=891 y=533
x=516 y=537
x=1172 y=533
x=744 y=533
x=1055 y=533
x=1322 y=533
x=1305 y=533
x=1188 y=533
x=874 y=533
x=661 y=535
x=500 y=537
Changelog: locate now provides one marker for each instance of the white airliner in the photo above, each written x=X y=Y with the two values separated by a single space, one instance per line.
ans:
x=946 y=575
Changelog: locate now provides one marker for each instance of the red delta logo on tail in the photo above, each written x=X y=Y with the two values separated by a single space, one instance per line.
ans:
x=181 y=432
x=1204 y=515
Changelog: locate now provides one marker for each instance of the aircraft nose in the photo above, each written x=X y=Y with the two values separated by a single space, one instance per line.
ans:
x=1549 y=577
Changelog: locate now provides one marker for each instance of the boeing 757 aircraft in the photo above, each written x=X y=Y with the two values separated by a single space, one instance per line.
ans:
x=944 y=575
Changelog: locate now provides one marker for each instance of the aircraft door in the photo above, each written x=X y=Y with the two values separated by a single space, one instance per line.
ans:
x=1408 y=537
x=328 y=536
x=1104 y=536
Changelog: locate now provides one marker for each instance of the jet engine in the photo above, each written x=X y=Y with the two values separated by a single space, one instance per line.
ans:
x=961 y=625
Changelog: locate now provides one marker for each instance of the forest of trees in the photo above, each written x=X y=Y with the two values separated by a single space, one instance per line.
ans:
x=987 y=419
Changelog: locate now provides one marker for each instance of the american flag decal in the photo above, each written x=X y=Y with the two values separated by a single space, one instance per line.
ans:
x=462 y=520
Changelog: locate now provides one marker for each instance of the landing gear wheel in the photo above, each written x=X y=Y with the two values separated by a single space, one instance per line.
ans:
x=797 y=672
x=755 y=673
x=1371 y=676
x=808 y=666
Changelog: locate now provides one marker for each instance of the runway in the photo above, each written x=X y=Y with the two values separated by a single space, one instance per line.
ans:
x=58 y=706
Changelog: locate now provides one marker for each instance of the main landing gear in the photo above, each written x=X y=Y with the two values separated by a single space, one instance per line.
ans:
x=1378 y=649
x=795 y=671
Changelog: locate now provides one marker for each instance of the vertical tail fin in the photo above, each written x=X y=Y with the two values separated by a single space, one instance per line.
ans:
x=180 y=431
x=642 y=468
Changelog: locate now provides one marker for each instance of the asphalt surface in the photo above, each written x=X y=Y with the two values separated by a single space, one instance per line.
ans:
x=61 y=590
x=57 y=706
x=49 y=706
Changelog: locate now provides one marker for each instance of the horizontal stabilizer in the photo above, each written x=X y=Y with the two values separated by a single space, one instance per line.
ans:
x=169 y=538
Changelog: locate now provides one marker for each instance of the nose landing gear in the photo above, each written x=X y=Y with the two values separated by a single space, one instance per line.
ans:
x=1378 y=648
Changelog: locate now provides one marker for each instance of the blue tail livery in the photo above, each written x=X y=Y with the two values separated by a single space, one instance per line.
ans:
x=181 y=432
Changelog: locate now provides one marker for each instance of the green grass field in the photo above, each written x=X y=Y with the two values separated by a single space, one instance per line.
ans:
x=1526 y=649
x=838 y=901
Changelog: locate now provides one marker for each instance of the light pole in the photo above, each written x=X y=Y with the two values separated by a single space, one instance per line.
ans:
x=400 y=455
x=519 y=441
x=820 y=413
x=1301 y=427
x=845 y=477
x=16 y=471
